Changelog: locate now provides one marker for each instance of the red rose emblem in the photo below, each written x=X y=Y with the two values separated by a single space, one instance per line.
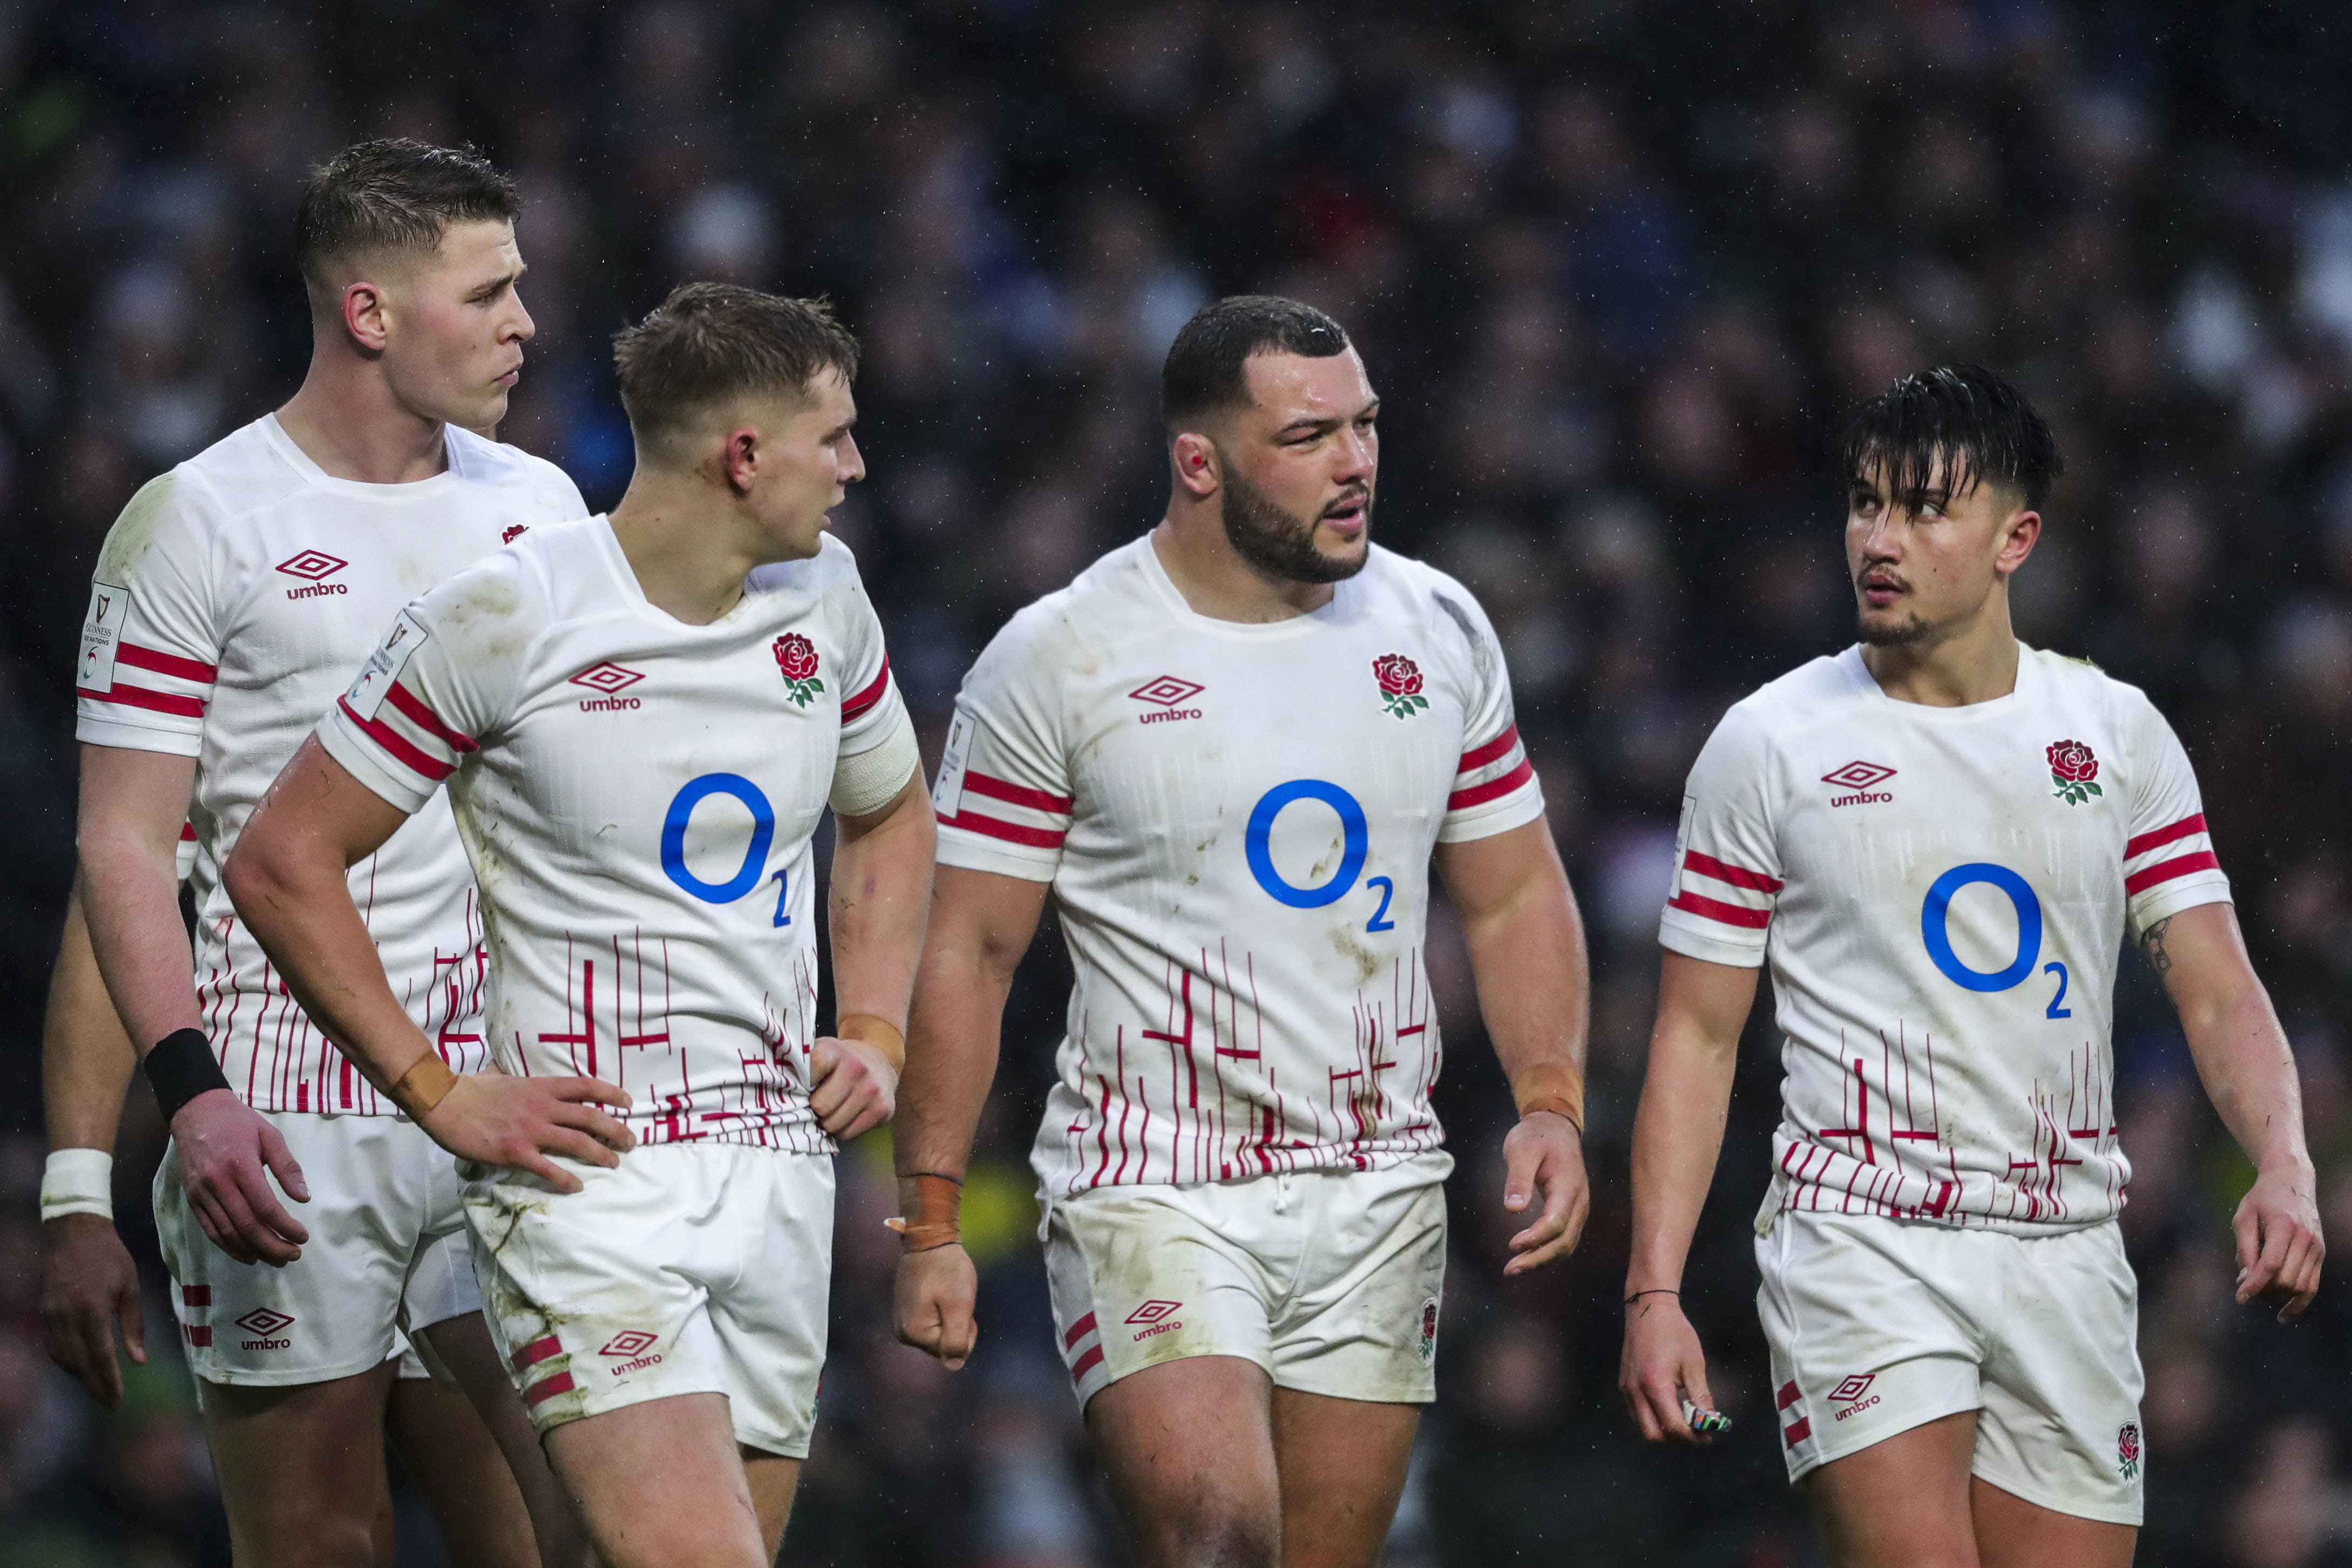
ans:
x=1398 y=676
x=796 y=656
x=2072 y=762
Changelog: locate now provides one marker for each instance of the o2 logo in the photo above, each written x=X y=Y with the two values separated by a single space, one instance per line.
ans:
x=755 y=853
x=1935 y=930
x=1355 y=845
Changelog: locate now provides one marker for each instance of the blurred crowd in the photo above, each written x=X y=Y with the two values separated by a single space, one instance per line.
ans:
x=1619 y=268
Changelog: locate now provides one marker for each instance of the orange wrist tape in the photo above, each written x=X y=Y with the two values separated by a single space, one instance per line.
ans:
x=1548 y=1086
x=876 y=1031
x=423 y=1086
x=931 y=1203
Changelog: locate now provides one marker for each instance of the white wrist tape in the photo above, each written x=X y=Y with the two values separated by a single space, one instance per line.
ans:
x=77 y=1181
x=866 y=783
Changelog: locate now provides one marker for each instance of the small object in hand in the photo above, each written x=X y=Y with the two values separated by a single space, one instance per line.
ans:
x=1705 y=1422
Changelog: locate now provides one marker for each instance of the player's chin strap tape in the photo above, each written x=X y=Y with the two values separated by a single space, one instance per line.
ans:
x=181 y=1067
x=1548 y=1086
x=876 y=1031
x=931 y=1203
x=424 y=1086
x=77 y=1181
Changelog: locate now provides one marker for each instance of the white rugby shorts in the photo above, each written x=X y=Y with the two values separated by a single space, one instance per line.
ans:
x=387 y=1253
x=688 y=1269
x=1878 y=1325
x=1330 y=1280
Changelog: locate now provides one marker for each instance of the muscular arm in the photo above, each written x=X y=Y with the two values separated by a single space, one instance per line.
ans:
x=132 y=803
x=1527 y=954
x=1677 y=1137
x=982 y=923
x=880 y=897
x=287 y=877
x=88 y=1281
x=2248 y=1070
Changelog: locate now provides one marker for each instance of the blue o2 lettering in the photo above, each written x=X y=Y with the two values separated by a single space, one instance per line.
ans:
x=2056 y=1010
x=755 y=854
x=1380 y=921
x=1354 y=844
x=1934 y=927
x=783 y=898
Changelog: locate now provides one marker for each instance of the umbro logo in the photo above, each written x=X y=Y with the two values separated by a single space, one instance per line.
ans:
x=1861 y=779
x=611 y=680
x=1850 y=1393
x=1169 y=695
x=313 y=567
x=629 y=1347
x=1155 y=1316
x=265 y=1326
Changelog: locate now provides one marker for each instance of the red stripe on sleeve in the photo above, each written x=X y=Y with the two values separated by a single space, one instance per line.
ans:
x=1729 y=914
x=1011 y=833
x=187 y=832
x=413 y=708
x=1492 y=790
x=2163 y=836
x=1798 y=1431
x=1017 y=794
x=163 y=663
x=1086 y=1363
x=391 y=740
x=853 y=707
x=1708 y=866
x=1494 y=751
x=155 y=702
x=2165 y=870
x=1078 y=1330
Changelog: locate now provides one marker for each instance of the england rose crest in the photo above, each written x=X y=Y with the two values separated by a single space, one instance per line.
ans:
x=1400 y=680
x=796 y=657
x=2075 y=770
x=2127 y=1450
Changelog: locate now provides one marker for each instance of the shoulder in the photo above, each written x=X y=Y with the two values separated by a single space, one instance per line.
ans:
x=1820 y=689
x=186 y=507
x=495 y=605
x=498 y=466
x=1107 y=603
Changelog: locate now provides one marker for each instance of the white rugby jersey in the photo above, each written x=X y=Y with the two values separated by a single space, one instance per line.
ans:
x=637 y=796
x=1237 y=821
x=235 y=598
x=1942 y=894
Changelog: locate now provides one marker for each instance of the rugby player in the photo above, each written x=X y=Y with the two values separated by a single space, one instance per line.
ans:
x=642 y=720
x=1939 y=840
x=234 y=598
x=1229 y=750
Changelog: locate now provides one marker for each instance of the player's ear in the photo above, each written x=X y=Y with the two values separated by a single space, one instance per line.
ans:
x=739 y=458
x=367 y=315
x=2020 y=534
x=1194 y=457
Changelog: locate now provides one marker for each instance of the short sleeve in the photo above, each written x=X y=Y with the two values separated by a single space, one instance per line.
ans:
x=1003 y=794
x=149 y=644
x=1726 y=876
x=1494 y=787
x=447 y=673
x=871 y=708
x=2168 y=860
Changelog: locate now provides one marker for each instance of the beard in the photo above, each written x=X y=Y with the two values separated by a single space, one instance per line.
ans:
x=1279 y=544
x=1908 y=633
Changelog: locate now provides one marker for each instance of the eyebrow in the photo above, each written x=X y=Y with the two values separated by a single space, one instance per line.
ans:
x=501 y=281
x=1304 y=424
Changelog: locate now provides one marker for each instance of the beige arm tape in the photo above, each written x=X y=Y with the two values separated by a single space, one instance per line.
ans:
x=868 y=781
x=1550 y=1086
x=423 y=1086
x=876 y=1031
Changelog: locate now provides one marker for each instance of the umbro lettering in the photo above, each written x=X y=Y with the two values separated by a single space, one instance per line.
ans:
x=1862 y=799
x=1168 y=716
x=608 y=704
x=315 y=591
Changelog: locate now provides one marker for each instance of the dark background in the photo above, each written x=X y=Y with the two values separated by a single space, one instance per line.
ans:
x=1618 y=266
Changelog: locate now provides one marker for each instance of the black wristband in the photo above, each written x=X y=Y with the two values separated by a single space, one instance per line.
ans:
x=181 y=1067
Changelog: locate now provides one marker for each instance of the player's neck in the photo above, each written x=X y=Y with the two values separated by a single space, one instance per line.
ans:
x=345 y=419
x=1975 y=662
x=1215 y=581
x=688 y=563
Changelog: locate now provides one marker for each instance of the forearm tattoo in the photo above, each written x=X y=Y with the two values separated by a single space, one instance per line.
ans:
x=2152 y=939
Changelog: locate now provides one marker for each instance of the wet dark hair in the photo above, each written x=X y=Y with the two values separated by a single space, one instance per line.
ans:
x=393 y=195
x=712 y=341
x=1203 y=373
x=1980 y=429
